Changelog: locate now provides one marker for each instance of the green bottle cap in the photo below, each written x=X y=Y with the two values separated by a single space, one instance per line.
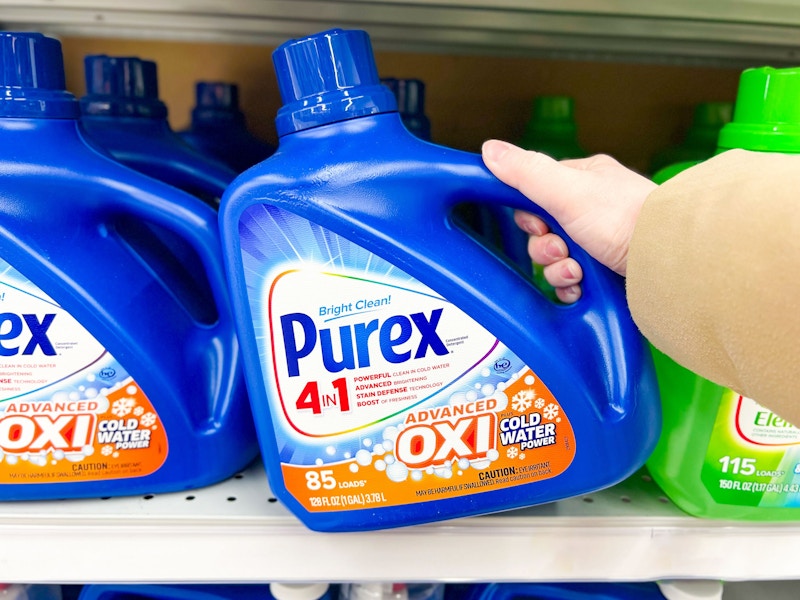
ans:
x=553 y=114
x=712 y=114
x=554 y=109
x=767 y=113
x=552 y=128
x=708 y=120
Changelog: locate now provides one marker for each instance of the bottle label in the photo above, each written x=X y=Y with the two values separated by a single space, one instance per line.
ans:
x=381 y=392
x=68 y=410
x=753 y=458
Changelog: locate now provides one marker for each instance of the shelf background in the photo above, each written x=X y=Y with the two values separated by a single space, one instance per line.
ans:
x=628 y=110
x=683 y=31
x=635 y=69
x=232 y=532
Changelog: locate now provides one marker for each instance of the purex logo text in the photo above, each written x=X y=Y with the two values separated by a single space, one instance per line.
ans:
x=353 y=347
x=12 y=326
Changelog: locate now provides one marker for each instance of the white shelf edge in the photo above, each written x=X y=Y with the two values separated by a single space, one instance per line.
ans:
x=626 y=533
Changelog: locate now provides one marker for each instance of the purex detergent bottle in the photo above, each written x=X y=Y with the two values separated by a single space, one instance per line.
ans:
x=122 y=114
x=121 y=371
x=554 y=591
x=721 y=454
x=218 y=128
x=399 y=371
x=274 y=591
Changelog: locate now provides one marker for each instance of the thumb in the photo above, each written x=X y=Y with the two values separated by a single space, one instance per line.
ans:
x=553 y=186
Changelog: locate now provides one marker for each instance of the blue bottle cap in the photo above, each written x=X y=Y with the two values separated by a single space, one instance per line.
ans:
x=411 y=97
x=328 y=77
x=121 y=86
x=391 y=83
x=32 y=78
x=215 y=101
x=214 y=94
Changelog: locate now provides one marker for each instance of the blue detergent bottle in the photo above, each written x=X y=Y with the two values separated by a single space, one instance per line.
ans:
x=121 y=371
x=122 y=114
x=399 y=371
x=274 y=591
x=218 y=128
x=555 y=591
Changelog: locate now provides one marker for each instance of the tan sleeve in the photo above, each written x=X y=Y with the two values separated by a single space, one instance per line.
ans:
x=713 y=275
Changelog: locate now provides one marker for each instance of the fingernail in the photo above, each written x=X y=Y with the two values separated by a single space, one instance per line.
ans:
x=568 y=273
x=570 y=294
x=495 y=150
x=553 y=250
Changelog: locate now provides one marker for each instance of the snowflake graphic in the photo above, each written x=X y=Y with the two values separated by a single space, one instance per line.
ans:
x=148 y=419
x=539 y=403
x=521 y=456
x=550 y=411
x=123 y=406
x=138 y=411
x=522 y=401
x=106 y=450
x=512 y=452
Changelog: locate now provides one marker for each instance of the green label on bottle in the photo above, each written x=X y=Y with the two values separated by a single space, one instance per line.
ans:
x=753 y=457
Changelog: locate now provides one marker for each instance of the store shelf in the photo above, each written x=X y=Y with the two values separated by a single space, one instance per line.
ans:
x=235 y=532
x=736 y=32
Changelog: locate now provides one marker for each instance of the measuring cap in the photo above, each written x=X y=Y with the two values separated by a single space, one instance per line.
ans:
x=553 y=113
x=121 y=86
x=328 y=77
x=32 y=80
x=767 y=112
x=215 y=101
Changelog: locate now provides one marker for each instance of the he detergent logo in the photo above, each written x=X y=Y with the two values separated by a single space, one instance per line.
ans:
x=14 y=327
x=437 y=435
x=398 y=338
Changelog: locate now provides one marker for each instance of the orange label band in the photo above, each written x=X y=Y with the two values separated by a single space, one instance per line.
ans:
x=445 y=452
x=112 y=436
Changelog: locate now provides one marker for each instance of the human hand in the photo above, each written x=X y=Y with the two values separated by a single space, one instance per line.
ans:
x=596 y=201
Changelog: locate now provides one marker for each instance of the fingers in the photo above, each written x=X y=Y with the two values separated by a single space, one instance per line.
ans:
x=547 y=249
x=560 y=271
x=550 y=250
x=530 y=223
x=569 y=294
x=557 y=188
x=563 y=273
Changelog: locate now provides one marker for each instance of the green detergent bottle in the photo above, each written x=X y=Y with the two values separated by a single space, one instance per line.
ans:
x=552 y=128
x=700 y=142
x=722 y=455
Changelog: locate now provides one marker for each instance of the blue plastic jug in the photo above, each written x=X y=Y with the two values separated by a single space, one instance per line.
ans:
x=555 y=591
x=121 y=371
x=399 y=371
x=122 y=114
x=207 y=592
x=218 y=128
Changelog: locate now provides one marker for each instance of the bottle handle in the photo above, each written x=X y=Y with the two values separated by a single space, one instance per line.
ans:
x=195 y=223
x=480 y=186
x=599 y=319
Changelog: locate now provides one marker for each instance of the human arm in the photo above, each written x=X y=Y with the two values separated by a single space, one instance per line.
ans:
x=710 y=259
